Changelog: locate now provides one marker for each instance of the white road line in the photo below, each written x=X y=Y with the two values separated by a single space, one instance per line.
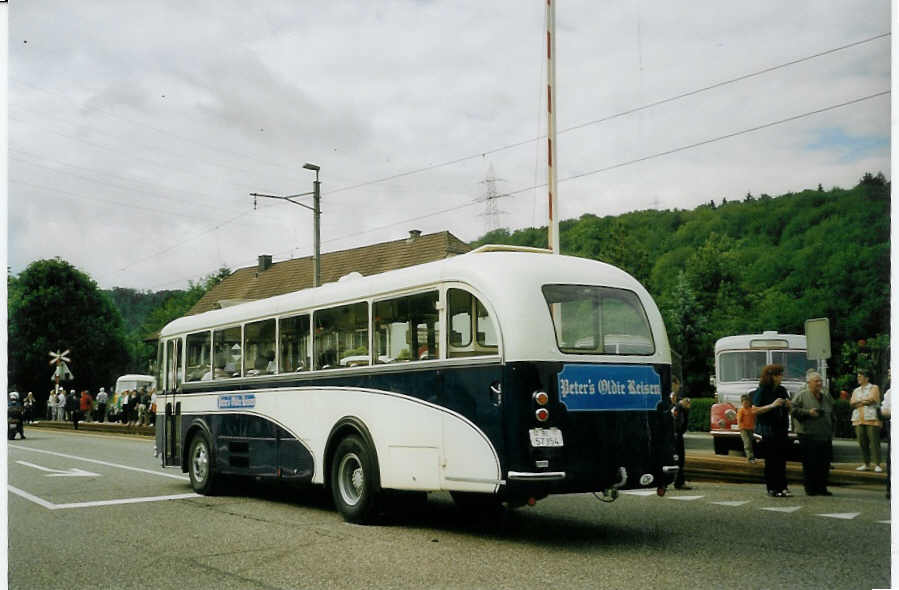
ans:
x=731 y=503
x=883 y=521
x=842 y=516
x=639 y=492
x=128 y=467
x=72 y=472
x=52 y=506
x=685 y=498
x=783 y=509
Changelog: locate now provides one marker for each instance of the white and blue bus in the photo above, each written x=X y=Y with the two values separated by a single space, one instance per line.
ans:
x=503 y=374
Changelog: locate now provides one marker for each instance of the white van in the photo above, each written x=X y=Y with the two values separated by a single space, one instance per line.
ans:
x=134 y=383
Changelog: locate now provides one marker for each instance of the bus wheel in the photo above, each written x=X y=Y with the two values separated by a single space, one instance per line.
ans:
x=352 y=480
x=200 y=464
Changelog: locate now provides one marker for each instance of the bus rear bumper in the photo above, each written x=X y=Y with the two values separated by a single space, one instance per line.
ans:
x=536 y=476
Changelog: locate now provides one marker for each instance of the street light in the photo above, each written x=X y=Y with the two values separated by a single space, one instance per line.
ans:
x=316 y=215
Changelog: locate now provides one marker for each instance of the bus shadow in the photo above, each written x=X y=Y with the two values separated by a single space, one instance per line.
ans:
x=524 y=526
x=439 y=514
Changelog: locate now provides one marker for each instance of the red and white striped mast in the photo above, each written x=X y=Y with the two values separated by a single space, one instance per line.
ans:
x=552 y=161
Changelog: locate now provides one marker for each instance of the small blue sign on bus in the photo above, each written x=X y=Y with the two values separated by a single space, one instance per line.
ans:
x=236 y=401
x=599 y=388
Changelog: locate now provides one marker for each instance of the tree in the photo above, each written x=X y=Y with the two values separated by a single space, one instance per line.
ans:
x=58 y=307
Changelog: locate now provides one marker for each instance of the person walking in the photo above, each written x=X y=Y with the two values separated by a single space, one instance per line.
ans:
x=102 y=398
x=771 y=404
x=885 y=411
x=865 y=402
x=812 y=412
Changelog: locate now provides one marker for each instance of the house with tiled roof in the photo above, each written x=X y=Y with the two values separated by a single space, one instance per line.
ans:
x=268 y=279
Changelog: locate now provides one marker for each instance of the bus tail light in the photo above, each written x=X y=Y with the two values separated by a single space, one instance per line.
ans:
x=542 y=415
x=541 y=398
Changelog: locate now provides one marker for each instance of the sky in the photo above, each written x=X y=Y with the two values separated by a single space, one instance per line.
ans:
x=137 y=130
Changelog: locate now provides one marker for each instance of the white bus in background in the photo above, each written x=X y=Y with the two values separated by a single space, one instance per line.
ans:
x=134 y=383
x=738 y=365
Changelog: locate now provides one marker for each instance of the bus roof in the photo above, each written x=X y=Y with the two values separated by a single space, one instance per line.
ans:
x=768 y=340
x=509 y=281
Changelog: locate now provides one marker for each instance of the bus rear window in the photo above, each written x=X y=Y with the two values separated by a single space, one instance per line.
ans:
x=740 y=366
x=598 y=320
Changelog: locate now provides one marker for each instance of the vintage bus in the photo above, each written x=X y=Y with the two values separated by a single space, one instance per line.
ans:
x=738 y=365
x=503 y=374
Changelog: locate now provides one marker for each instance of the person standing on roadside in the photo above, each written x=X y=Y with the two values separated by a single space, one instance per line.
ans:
x=61 y=405
x=885 y=411
x=86 y=405
x=102 y=398
x=865 y=402
x=29 y=407
x=124 y=400
x=771 y=404
x=812 y=413
x=746 y=422
x=72 y=407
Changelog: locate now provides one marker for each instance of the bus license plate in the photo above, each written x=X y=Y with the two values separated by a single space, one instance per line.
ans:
x=546 y=437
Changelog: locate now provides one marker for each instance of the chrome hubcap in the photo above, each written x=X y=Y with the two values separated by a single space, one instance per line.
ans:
x=351 y=479
x=200 y=461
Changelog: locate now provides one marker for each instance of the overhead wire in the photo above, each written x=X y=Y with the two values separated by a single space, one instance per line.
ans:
x=613 y=116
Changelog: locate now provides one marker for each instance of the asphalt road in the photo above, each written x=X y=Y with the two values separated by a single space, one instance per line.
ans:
x=109 y=517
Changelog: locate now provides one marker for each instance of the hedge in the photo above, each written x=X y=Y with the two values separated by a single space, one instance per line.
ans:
x=700 y=414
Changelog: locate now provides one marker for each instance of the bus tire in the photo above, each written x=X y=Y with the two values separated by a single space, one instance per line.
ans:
x=352 y=480
x=201 y=464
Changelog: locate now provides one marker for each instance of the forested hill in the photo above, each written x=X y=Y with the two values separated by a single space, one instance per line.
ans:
x=762 y=263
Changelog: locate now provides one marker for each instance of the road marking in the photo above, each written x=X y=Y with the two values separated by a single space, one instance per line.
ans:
x=686 y=498
x=783 y=509
x=73 y=472
x=883 y=521
x=52 y=506
x=639 y=492
x=128 y=467
x=732 y=502
x=843 y=516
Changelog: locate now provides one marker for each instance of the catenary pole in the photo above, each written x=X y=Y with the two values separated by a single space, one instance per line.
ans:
x=552 y=160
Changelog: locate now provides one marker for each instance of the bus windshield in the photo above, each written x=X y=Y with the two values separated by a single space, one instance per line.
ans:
x=794 y=362
x=744 y=365
x=598 y=320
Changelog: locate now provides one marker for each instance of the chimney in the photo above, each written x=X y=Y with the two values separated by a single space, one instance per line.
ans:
x=414 y=234
x=265 y=262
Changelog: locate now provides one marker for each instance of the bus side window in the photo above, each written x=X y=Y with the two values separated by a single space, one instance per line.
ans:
x=170 y=366
x=341 y=336
x=471 y=330
x=226 y=353
x=198 y=356
x=259 y=348
x=294 y=345
x=407 y=328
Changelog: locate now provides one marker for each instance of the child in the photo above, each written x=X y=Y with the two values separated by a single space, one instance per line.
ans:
x=746 y=421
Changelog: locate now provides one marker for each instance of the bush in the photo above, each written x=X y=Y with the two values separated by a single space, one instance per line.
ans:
x=700 y=414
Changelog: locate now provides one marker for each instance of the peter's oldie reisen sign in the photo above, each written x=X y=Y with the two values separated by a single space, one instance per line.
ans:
x=609 y=387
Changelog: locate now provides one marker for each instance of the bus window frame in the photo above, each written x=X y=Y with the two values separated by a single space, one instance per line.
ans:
x=491 y=314
x=311 y=333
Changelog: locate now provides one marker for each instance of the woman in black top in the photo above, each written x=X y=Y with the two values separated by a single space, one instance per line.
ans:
x=771 y=406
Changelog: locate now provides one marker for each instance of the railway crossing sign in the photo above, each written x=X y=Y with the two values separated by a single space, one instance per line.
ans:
x=61 y=372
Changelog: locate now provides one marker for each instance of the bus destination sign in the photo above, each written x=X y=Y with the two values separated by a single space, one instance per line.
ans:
x=237 y=401
x=597 y=388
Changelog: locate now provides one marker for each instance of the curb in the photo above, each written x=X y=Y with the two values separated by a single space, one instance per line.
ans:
x=104 y=427
x=720 y=468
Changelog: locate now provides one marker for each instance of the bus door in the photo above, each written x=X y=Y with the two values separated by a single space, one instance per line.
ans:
x=170 y=441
